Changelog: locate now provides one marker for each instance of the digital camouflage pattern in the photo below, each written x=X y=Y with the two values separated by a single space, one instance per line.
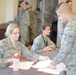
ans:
x=7 y=50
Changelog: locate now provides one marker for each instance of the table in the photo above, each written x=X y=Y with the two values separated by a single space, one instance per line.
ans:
x=51 y=55
x=32 y=71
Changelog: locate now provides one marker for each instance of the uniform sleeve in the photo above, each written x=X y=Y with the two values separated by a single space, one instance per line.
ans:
x=3 y=62
x=66 y=43
x=60 y=29
x=35 y=47
x=28 y=54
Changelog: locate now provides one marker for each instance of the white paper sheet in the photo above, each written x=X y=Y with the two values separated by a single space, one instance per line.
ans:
x=24 y=65
x=42 y=64
x=60 y=67
x=48 y=70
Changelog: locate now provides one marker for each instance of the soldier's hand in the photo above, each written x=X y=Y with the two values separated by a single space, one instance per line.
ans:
x=47 y=48
x=53 y=65
x=9 y=60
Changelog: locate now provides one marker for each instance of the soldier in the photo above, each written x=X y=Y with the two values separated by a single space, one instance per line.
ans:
x=42 y=42
x=24 y=21
x=34 y=24
x=68 y=42
x=10 y=46
x=62 y=25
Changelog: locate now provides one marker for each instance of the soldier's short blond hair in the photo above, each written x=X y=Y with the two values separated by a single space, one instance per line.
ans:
x=10 y=28
x=63 y=7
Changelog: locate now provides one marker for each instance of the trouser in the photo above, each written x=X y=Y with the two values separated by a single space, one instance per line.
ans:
x=24 y=34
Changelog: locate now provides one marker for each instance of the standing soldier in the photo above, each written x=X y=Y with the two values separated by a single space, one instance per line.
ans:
x=24 y=21
x=34 y=23
x=61 y=25
x=68 y=42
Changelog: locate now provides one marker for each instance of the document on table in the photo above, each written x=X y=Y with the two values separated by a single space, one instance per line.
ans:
x=24 y=65
x=44 y=66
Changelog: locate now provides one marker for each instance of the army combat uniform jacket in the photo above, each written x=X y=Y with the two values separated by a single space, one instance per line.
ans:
x=39 y=44
x=68 y=43
x=7 y=50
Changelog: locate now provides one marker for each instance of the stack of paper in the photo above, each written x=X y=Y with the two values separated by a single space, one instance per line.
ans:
x=44 y=66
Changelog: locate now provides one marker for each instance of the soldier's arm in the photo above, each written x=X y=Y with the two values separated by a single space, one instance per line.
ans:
x=28 y=54
x=3 y=61
x=66 y=43
x=60 y=29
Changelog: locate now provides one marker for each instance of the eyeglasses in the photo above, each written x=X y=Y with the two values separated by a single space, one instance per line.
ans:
x=15 y=33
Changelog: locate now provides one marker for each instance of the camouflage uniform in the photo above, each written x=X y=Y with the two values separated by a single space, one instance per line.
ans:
x=7 y=50
x=61 y=27
x=24 y=23
x=34 y=25
x=68 y=47
x=39 y=44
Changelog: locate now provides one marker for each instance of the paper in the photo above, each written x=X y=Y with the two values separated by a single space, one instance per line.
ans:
x=48 y=70
x=60 y=67
x=42 y=64
x=24 y=65
x=45 y=66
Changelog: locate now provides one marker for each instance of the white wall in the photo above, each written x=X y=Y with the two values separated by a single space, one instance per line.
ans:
x=11 y=9
x=2 y=10
x=15 y=8
x=74 y=6
x=8 y=10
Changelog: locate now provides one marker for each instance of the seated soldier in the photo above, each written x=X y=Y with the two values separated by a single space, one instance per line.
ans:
x=42 y=42
x=10 y=46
